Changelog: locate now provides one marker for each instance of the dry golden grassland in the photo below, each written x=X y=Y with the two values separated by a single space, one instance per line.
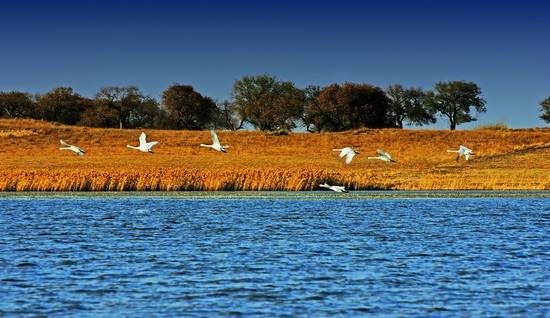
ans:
x=30 y=160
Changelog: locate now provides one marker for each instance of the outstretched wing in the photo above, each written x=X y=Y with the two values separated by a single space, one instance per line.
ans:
x=345 y=151
x=465 y=150
x=383 y=153
x=151 y=144
x=349 y=157
x=64 y=143
x=215 y=139
x=142 y=139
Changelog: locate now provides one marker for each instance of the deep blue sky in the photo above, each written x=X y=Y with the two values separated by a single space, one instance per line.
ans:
x=504 y=46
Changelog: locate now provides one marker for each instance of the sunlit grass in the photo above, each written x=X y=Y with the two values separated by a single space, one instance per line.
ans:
x=31 y=161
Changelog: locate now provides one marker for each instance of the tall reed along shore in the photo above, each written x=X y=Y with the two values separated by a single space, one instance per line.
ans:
x=30 y=160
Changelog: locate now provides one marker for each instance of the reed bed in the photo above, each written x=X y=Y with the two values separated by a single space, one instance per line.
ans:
x=31 y=161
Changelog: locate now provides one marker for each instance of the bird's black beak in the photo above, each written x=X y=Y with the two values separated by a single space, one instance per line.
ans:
x=392 y=160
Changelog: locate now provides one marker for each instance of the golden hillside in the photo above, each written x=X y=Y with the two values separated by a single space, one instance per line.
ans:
x=30 y=160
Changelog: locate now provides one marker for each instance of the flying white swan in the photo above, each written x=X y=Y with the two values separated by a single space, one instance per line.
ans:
x=144 y=146
x=77 y=150
x=347 y=152
x=215 y=143
x=335 y=188
x=463 y=151
x=382 y=155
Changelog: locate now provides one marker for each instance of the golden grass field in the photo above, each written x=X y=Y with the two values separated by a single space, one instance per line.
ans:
x=30 y=160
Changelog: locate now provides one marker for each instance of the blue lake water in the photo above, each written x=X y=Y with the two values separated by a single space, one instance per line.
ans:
x=275 y=255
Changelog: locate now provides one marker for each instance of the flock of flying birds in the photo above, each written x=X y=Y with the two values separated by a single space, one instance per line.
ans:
x=348 y=153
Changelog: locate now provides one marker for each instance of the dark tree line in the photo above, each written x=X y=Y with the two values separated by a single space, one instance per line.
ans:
x=263 y=102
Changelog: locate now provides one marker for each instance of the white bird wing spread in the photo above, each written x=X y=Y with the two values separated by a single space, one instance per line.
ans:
x=142 y=139
x=383 y=153
x=349 y=157
x=345 y=151
x=215 y=139
x=151 y=144
x=64 y=143
x=465 y=149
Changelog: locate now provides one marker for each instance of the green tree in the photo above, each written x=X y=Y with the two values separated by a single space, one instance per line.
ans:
x=227 y=117
x=122 y=102
x=545 y=110
x=312 y=116
x=61 y=105
x=188 y=109
x=268 y=103
x=16 y=104
x=350 y=106
x=146 y=115
x=121 y=107
x=408 y=104
x=455 y=101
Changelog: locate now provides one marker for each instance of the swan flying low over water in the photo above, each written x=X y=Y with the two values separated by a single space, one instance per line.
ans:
x=144 y=146
x=216 y=145
x=382 y=155
x=463 y=151
x=347 y=152
x=334 y=188
x=77 y=150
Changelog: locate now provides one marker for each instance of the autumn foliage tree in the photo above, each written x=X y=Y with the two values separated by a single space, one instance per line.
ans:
x=188 y=109
x=349 y=106
x=268 y=103
x=455 y=101
x=408 y=105
x=16 y=104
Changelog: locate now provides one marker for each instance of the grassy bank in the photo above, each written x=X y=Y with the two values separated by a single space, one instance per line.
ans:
x=30 y=160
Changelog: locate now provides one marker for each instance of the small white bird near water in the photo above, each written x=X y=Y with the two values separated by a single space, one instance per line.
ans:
x=382 y=155
x=144 y=146
x=216 y=145
x=463 y=151
x=348 y=153
x=77 y=150
x=334 y=188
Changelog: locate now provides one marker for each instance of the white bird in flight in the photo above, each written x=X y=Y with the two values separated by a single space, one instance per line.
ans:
x=144 y=146
x=382 y=155
x=335 y=188
x=77 y=150
x=347 y=152
x=216 y=145
x=463 y=151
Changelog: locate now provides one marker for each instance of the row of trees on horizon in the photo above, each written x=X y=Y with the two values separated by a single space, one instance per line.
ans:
x=263 y=101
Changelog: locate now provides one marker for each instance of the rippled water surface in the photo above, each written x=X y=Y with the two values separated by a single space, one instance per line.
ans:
x=308 y=255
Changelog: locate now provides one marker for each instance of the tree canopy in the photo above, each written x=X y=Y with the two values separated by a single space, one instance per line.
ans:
x=268 y=103
x=408 y=104
x=188 y=109
x=349 y=106
x=455 y=101
x=61 y=104
x=16 y=104
x=545 y=110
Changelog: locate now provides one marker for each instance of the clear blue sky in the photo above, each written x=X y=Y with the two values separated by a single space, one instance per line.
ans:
x=503 y=46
